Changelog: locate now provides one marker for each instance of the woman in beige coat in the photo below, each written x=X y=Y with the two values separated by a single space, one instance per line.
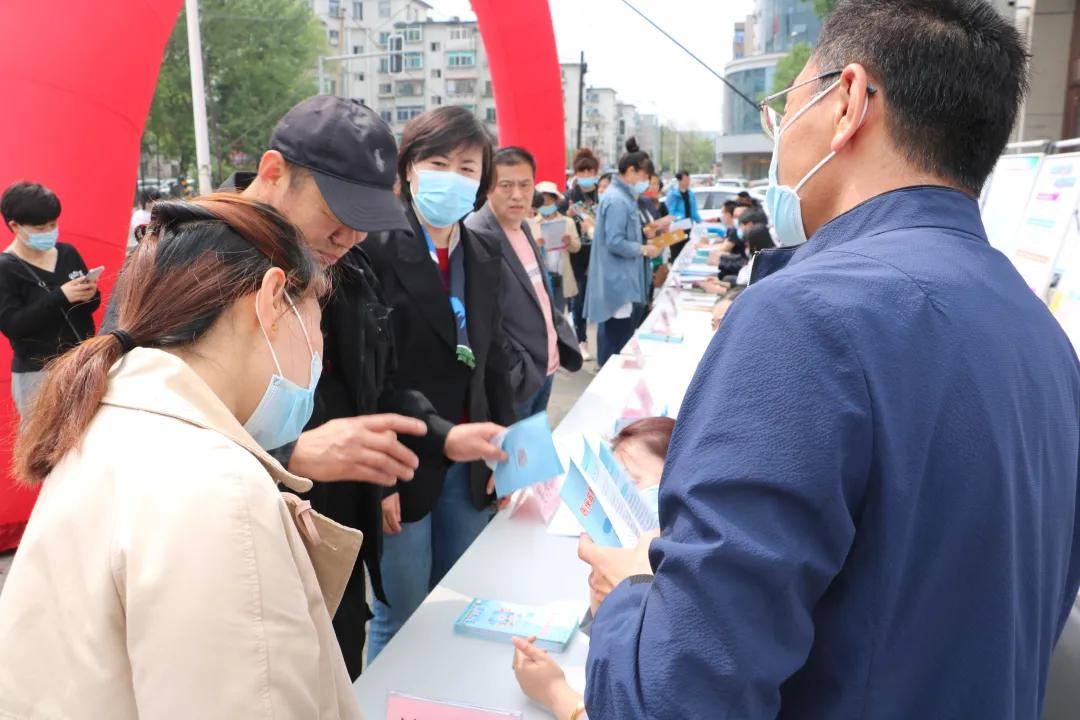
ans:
x=559 y=261
x=163 y=573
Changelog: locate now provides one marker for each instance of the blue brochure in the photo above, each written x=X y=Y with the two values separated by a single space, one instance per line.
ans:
x=532 y=456
x=554 y=625
x=583 y=503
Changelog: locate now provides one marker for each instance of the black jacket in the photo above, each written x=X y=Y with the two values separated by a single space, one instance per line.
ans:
x=579 y=261
x=359 y=379
x=35 y=315
x=424 y=331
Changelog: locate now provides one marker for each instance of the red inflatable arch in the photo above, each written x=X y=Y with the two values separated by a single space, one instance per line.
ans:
x=79 y=78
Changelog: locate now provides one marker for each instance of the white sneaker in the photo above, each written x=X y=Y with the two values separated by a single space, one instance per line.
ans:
x=585 y=351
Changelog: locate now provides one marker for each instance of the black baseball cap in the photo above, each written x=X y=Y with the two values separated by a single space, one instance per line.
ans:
x=351 y=153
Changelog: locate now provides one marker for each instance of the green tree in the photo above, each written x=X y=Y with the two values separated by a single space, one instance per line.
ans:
x=697 y=153
x=259 y=58
x=790 y=66
x=824 y=7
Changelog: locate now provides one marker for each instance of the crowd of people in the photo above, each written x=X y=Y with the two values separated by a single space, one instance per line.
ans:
x=301 y=378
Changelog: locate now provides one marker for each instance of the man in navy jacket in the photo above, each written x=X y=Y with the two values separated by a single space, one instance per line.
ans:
x=885 y=525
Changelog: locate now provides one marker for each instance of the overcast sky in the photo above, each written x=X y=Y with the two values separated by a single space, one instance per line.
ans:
x=626 y=53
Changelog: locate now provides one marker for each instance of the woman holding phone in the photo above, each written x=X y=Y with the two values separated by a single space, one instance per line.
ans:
x=47 y=295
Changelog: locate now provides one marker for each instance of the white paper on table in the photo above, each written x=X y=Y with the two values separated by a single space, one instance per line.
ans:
x=564 y=523
x=684 y=224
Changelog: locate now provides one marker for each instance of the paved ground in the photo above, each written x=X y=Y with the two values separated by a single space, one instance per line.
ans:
x=5 y=564
x=568 y=388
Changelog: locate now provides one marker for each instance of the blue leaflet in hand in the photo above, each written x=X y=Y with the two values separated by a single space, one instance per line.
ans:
x=582 y=502
x=532 y=456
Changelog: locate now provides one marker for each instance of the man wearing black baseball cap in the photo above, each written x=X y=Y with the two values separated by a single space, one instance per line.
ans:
x=330 y=170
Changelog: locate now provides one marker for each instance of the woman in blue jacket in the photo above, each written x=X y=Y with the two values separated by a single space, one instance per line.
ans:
x=616 y=281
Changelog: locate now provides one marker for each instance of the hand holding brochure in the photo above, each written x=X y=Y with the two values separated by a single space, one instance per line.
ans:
x=553 y=625
x=532 y=457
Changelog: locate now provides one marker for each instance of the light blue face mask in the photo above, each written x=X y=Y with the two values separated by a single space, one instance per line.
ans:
x=548 y=210
x=444 y=197
x=739 y=232
x=782 y=202
x=640 y=187
x=651 y=497
x=43 y=241
x=285 y=407
x=586 y=183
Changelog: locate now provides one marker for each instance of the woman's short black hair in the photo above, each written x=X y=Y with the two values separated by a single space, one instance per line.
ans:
x=29 y=203
x=440 y=132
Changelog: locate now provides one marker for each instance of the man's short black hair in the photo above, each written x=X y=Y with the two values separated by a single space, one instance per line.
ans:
x=29 y=203
x=952 y=73
x=729 y=206
x=681 y=174
x=755 y=217
x=514 y=155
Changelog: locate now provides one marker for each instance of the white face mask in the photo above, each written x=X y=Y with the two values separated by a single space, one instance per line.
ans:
x=782 y=202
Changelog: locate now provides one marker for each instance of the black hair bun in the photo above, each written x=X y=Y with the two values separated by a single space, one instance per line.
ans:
x=631 y=145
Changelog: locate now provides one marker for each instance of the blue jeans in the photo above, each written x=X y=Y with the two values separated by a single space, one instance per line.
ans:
x=577 y=308
x=612 y=335
x=538 y=402
x=415 y=560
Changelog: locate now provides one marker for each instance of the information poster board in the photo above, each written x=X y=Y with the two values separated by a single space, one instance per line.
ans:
x=1046 y=220
x=1066 y=305
x=1005 y=197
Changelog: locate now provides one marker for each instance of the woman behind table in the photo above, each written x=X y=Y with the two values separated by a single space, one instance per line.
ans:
x=443 y=283
x=616 y=289
x=46 y=301
x=163 y=574
x=640 y=448
x=559 y=261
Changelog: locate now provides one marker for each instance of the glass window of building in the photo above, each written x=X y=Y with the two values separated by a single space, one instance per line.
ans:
x=785 y=23
x=357 y=10
x=384 y=8
x=414 y=60
x=408 y=112
x=413 y=34
x=461 y=58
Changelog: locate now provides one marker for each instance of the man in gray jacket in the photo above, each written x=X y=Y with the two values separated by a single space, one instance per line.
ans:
x=530 y=320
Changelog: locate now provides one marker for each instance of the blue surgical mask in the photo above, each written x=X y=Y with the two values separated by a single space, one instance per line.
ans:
x=640 y=187
x=43 y=241
x=548 y=210
x=651 y=497
x=443 y=197
x=739 y=232
x=782 y=203
x=285 y=407
x=586 y=183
